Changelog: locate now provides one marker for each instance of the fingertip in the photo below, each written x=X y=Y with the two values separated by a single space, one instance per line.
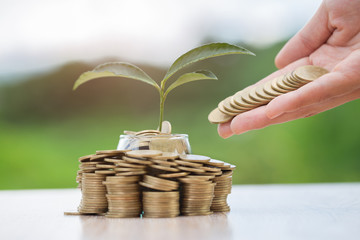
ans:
x=224 y=130
x=237 y=126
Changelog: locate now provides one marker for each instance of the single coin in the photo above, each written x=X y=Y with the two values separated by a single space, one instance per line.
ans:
x=190 y=169
x=72 y=213
x=105 y=166
x=126 y=169
x=105 y=172
x=166 y=156
x=164 y=168
x=309 y=72
x=142 y=161
x=173 y=175
x=130 y=165
x=145 y=132
x=144 y=153
x=216 y=163
x=195 y=158
x=85 y=158
x=164 y=162
x=166 y=127
x=130 y=173
x=129 y=132
x=111 y=152
x=188 y=164
x=216 y=117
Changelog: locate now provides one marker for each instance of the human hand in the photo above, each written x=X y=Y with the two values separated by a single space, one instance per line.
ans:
x=331 y=39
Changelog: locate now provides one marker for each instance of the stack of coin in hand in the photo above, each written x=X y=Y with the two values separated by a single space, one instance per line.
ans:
x=263 y=93
x=123 y=195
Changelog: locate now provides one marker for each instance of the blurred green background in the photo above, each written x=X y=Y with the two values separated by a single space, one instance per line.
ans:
x=45 y=126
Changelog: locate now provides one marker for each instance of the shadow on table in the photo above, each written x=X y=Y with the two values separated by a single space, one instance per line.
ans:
x=214 y=226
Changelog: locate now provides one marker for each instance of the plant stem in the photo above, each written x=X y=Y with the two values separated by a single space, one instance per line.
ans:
x=162 y=101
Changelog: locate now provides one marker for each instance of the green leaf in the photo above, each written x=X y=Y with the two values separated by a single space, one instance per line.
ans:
x=190 y=77
x=204 y=52
x=116 y=69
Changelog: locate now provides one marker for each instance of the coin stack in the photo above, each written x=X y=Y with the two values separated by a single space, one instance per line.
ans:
x=221 y=192
x=263 y=93
x=93 y=171
x=93 y=194
x=123 y=195
x=160 y=195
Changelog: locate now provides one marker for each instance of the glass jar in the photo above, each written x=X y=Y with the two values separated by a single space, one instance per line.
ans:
x=177 y=143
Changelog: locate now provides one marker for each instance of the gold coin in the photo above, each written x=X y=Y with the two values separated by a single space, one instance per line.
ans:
x=130 y=173
x=261 y=93
x=167 y=156
x=130 y=165
x=116 y=152
x=164 y=168
x=238 y=100
x=164 y=163
x=166 y=127
x=190 y=169
x=143 y=161
x=173 y=175
x=223 y=110
x=187 y=163
x=144 y=153
x=215 y=163
x=309 y=72
x=195 y=158
x=216 y=117
x=85 y=158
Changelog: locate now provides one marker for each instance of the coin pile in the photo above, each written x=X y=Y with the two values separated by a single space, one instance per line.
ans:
x=123 y=195
x=122 y=183
x=263 y=93
x=93 y=171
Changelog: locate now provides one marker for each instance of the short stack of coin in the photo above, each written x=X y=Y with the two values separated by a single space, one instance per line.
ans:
x=124 y=196
x=263 y=93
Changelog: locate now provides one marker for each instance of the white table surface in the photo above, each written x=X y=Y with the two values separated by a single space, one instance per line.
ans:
x=303 y=211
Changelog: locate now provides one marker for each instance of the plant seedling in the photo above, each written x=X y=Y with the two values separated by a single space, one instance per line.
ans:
x=127 y=70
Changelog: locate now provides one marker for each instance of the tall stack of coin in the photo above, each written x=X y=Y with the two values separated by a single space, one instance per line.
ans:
x=93 y=194
x=221 y=192
x=197 y=189
x=263 y=93
x=93 y=171
x=124 y=196
x=160 y=198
